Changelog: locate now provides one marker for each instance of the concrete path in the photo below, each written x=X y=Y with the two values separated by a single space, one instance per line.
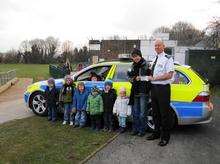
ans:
x=195 y=144
x=12 y=103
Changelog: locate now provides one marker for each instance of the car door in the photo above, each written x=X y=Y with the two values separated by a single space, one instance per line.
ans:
x=120 y=78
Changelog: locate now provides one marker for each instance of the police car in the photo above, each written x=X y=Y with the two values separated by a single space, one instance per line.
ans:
x=190 y=96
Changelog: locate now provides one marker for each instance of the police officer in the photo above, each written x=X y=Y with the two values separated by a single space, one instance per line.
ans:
x=162 y=75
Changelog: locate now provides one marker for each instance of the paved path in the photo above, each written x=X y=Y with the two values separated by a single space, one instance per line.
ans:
x=12 y=104
x=197 y=144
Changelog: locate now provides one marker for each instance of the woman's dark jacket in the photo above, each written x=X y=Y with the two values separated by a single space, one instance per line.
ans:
x=139 y=87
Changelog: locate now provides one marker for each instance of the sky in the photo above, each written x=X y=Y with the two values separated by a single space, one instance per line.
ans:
x=81 y=20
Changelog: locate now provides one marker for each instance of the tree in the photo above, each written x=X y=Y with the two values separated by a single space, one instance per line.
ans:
x=162 y=29
x=186 y=34
x=25 y=49
x=11 y=56
x=67 y=50
x=212 y=39
x=51 y=46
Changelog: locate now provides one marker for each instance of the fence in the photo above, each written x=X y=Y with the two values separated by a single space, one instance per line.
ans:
x=7 y=76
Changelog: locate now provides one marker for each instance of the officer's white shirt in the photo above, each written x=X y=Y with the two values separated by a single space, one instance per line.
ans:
x=164 y=65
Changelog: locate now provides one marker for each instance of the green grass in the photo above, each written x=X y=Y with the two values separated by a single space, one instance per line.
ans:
x=35 y=71
x=35 y=140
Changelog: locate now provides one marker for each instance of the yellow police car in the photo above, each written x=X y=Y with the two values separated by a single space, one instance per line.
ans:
x=190 y=96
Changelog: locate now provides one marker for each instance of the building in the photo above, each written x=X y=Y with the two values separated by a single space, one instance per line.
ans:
x=110 y=48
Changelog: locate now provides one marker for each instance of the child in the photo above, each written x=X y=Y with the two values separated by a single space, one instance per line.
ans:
x=66 y=97
x=122 y=109
x=95 y=108
x=109 y=96
x=51 y=95
x=80 y=104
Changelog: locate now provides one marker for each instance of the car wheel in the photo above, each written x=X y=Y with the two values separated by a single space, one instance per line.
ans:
x=38 y=104
x=150 y=121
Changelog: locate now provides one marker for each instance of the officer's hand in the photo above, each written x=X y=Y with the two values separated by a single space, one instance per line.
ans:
x=150 y=78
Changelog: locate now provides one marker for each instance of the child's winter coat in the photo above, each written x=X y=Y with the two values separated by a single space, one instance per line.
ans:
x=109 y=100
x=66 y=94
x=121 y=107
x=95 y=104
x=80 y=100
x=51 y=96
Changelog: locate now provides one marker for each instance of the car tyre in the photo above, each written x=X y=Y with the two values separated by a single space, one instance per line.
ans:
x=37 y=103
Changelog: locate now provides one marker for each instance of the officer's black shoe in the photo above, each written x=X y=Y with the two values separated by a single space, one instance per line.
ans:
x=163 y=142
x=153 y=137
x=140 y=134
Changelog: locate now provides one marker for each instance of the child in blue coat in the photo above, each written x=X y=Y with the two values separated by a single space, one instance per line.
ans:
x=80 y=104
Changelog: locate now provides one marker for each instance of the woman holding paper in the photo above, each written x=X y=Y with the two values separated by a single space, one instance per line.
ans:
x=139 y=91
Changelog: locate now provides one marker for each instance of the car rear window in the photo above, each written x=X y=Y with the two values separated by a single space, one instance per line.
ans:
x=205 y=80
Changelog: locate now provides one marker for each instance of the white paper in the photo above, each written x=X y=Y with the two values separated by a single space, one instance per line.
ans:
x=144 y=78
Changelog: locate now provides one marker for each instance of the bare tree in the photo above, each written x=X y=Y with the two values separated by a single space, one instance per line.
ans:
x=162 y=29
x=67 y=50
x=51 y=46
x=213 y=33
x=185 y=33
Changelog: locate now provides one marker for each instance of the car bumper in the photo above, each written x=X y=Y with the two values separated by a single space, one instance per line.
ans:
x=193 y=113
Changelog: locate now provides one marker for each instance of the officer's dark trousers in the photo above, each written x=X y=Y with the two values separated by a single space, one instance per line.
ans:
x=160 y=96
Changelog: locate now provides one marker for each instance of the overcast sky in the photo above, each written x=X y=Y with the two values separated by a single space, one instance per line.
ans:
x=79 y=20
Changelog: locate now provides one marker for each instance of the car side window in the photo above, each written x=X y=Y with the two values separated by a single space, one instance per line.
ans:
x=121 y=73
x=102 y=71
x=180 y=78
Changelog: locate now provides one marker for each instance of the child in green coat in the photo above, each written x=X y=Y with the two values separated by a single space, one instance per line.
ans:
x=95 y=108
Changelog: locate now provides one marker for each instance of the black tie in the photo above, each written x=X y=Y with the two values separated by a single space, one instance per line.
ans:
x=154 y=64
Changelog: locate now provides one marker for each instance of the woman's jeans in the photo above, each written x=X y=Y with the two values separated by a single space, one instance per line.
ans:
x=139 y=111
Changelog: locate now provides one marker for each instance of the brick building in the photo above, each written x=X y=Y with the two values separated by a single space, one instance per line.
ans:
x=110 y=49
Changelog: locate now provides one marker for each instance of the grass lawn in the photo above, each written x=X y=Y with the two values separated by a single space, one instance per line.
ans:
x=35 y=71
x=35 y=140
